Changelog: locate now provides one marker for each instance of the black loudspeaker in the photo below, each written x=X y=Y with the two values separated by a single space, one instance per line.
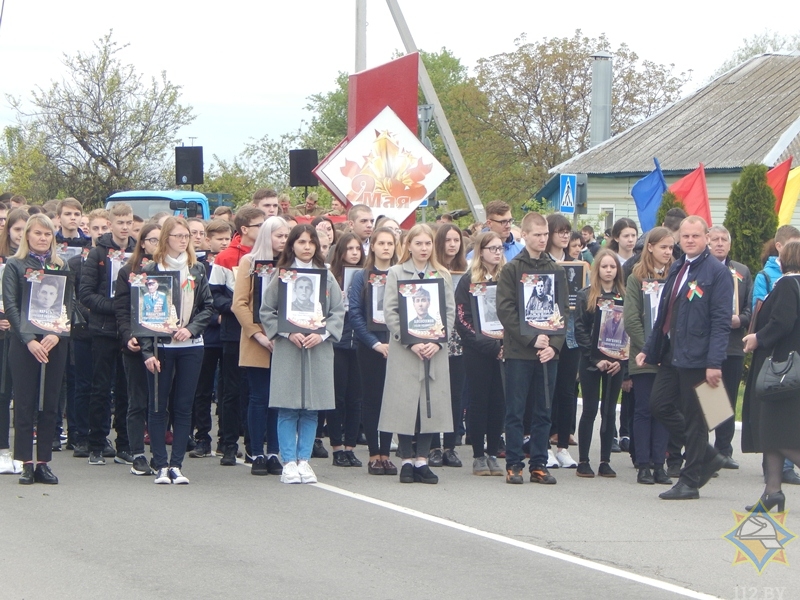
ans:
x=301 y=163
x=189 y=165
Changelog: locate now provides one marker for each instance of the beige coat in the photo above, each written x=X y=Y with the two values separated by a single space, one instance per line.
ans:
x=404 y=387
x=251 y=353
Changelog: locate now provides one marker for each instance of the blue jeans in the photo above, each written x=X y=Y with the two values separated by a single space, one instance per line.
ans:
x=525 y=377
x=297 y=428
x=82 y=354
x=182 y=364
x=260 y=418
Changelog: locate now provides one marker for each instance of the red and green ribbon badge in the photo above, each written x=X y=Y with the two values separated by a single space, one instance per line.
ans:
x=737 y=275
x=189 y=283
x=695 y=291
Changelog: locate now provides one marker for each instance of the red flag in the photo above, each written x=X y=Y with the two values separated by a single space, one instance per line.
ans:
x=692 y=191
x=776 y=179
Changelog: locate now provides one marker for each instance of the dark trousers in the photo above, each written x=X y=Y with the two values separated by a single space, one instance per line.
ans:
x=626 y=409
x=212 y=356
x=345 y=419
x=107 y=360
x=82 y=357
x=487 y=404
x=26 y=371
x=5 y=391
x=138 y=395
x=651 y=436
x=373 y=374
x=261 y=420
x=525 y=378
x=405 y=445
x=233 y=385
x=732 y=368
x=674 y=403
x=562 y=416
x=69 y=381
x=182 y=364
x=591 y=382
x=457 y=377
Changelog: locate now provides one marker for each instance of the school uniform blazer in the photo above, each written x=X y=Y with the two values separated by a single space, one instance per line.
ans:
x=286 y=384
x=404 y=387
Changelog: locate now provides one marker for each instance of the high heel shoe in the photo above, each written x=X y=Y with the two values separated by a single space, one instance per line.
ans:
x=770 y=501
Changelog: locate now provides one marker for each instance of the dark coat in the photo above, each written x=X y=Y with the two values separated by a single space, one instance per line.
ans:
x=465 y=323
x=773 y=425
x=702 y=325
x=744 y=284
x=94 y=291
x=359 y=313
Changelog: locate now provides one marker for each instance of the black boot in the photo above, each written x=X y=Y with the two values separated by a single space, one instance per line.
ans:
x=645 y=476
x=27 y=474
x=43 y=474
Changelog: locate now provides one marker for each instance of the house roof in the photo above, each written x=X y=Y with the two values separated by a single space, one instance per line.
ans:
x=751 y=114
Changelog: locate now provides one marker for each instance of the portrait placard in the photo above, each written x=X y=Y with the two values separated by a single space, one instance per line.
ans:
x=651 y=297
x=155 y=303
x=116 y=259
x=301 y=296
x=577 y=273
x=484 y=310
x=611 y=339
x=46 y=302
x=541 y=309
x=376 y=289
x=263 y=270
x=65 y=250
x=422 y=307
x=347 y=279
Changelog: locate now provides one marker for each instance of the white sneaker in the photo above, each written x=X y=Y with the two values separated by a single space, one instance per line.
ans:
x=163 y=476
x=306 y=472
x=177 y=477
x=290 y=473
x=6 y=462
x=552 y=463
x=565 y=459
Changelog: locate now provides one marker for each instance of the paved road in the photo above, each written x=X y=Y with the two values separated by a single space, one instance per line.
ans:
x=103 y=533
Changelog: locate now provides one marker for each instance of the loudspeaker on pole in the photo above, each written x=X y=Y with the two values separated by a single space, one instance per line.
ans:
x=188 y=165
x=301 y=163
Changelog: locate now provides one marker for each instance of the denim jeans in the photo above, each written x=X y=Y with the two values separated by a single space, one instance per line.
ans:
x=524 y=377
x=260 y=418
x=82 y=353
x=184 y=365
x=296 y=430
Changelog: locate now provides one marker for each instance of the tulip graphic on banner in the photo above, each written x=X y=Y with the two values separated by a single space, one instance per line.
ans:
x=692 y=191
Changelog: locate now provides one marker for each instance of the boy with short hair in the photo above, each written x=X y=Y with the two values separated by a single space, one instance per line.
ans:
x=69 y=213
x=530 y=361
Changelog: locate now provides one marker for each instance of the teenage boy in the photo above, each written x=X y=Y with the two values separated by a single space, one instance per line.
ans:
x=218 y=234
x=361 y=222
x=95 y=294
x=69 y=213
x=248 y=221
x=267 y=201
x=500 y=221
x=530 y=361
x=138 y=223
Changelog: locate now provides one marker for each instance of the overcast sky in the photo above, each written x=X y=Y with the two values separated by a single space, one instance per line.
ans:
x=247 y=67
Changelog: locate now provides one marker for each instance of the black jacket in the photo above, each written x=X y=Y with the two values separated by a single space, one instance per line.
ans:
x=202 y=308
x=13 y=278
x=80 y=324
x=465 y=323
x=95 y=289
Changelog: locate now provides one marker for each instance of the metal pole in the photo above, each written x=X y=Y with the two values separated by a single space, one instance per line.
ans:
x=156 y=374
x=42 y=372
x=428 y=386
x=450 y=144
x=361 y=35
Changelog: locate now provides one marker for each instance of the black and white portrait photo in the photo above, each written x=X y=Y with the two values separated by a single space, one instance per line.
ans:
x=421 y=308
x=576 y=278
x=302 y=296
x=539 y=298
x=651 y=296
x=488 y=324
x=115 y=261
x=47 y=301
x=612 y=339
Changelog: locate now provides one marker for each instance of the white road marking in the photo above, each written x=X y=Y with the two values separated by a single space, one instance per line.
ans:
x=582 y=562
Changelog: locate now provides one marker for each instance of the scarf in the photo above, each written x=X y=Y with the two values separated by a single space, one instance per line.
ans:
x=181 y=264
x=42 y=258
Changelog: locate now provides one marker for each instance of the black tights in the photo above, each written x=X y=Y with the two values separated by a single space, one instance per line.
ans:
x=773 y=463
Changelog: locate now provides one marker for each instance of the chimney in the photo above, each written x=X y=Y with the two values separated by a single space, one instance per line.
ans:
x=601 y=98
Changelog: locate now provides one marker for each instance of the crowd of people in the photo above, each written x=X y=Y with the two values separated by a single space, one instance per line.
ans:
x=427 y=340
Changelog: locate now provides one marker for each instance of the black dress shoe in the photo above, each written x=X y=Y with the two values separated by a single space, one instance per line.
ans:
x=615 y=446
x=680 y=491
x=730 y=463
x=661 y=476
x=352 y=458
x=339 y=459
x=423 y=474
x=318 y=450
x=26 y=478
x=645 y=477
x=674 y=470
x=791 y=477
x=435 y=457
x=43 y=474
x=709 y=468
x=407 y=473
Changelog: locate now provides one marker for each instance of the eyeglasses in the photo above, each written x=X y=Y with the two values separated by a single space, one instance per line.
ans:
x=152 y=240
x=256 y=225
x=494 y=249
x=564 y=232
x=180 y=236
x=504 y=222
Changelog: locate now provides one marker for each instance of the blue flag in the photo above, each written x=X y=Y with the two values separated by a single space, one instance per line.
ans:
x=647 y=194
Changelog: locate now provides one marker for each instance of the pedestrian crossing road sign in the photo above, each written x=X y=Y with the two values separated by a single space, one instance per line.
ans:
x=566 y=193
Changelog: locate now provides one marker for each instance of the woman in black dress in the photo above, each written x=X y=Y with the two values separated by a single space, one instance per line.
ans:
x=773 y=427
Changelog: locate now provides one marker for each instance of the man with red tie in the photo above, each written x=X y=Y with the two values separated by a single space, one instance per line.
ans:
x=689 y=342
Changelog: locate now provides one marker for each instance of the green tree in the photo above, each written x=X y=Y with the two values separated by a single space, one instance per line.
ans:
x=103 y=127
x=24 y=168
x=760 y=43
x=668 y=202
x=751 y=217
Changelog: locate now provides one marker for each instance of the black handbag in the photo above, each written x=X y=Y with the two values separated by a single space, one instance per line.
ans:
x=779 y=381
